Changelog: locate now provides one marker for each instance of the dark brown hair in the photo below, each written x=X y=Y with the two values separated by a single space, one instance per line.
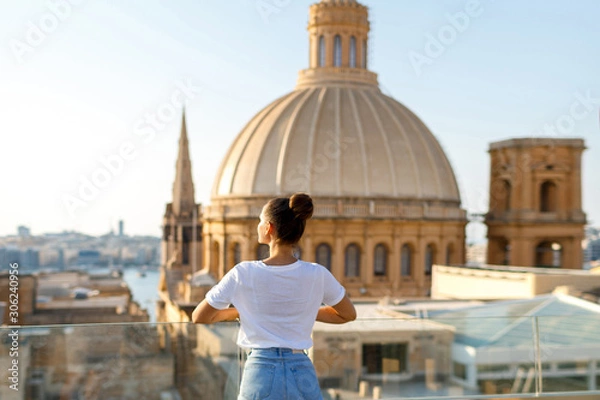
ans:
x=288 y=215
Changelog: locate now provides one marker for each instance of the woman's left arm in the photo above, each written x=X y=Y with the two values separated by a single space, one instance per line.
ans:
x=204 y=313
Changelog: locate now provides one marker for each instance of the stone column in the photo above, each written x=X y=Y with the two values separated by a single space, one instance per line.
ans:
x=337 y=257
x=576 y=182
x=522 y=252
x=366 y=262
x=394 y=263
x=419 y=263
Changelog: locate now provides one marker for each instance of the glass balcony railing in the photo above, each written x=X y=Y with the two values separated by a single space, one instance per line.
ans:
x=514 y=357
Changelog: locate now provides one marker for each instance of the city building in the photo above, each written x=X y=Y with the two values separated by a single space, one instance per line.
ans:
x=30 y=258
x=535 y=216
x=496 y=354
x=77 y=339
x=23 y=231
x=72 y=298
x=497 y=282
x=370 y=164
x=88 y=257
x=388 y=219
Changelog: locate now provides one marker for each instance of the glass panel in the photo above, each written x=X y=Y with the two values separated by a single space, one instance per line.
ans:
x=568 y=331
x=491 y=354
x=446 y=357
x=120 y=361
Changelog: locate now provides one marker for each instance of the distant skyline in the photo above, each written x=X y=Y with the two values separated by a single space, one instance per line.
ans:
x=92 y=93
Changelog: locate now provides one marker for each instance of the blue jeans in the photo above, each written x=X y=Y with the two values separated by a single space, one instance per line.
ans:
x=279 y=374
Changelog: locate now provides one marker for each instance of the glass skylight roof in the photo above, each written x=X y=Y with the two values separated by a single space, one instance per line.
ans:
x=562 y=320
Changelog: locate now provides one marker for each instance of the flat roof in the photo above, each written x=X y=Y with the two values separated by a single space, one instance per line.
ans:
x=522 y=270
x=376 y=318
x=92 y=302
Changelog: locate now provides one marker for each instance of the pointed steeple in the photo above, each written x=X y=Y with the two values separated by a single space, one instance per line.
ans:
x=183 y=187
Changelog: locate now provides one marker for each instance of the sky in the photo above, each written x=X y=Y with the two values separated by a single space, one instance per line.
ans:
x=92 y=91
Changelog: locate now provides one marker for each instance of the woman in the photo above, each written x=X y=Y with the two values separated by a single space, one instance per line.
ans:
x=277 y=301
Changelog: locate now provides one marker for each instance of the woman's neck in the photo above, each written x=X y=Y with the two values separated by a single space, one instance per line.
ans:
x=280 y=254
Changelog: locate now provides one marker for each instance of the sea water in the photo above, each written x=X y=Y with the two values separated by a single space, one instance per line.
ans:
x=144 y=289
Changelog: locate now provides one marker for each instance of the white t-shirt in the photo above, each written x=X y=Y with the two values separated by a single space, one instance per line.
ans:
x=278 y=305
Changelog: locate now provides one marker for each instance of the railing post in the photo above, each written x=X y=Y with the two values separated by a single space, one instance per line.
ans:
x=538 y=356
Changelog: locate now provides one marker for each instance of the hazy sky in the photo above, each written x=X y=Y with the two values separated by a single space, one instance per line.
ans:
x=81 y=81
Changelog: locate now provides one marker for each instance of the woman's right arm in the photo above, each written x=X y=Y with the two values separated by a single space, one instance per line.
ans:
x=340 y=313
x=207 y=314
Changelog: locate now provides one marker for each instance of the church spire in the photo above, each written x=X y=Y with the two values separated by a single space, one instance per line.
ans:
x=183 y=187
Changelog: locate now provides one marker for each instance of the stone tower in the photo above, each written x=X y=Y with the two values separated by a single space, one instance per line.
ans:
x=535 y=216
x=338 y=34
x=182 y=227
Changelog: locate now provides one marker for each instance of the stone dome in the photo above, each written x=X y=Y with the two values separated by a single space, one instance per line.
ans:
x=387 y=206
x=337 y=140
x=337 y=135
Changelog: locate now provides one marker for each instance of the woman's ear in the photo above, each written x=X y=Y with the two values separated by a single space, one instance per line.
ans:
x=269 y=228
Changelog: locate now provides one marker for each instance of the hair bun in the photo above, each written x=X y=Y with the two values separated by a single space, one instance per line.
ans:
x=301 y=205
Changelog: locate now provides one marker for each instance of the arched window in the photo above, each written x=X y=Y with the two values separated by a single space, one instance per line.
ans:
x=548 y=255
x=321 y=51
x=364 y=54
x=323 y=255
x=262 y=252
x=352 y=52
x=237 y=253
x=406 y=261
x=548 y=196
x=429 y=259
x=337 y=51
x=380 y=260
x=352 y=261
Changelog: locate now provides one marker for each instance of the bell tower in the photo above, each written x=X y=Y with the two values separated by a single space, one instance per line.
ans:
x=182 y=227
x=535 y=216
x=338 y=44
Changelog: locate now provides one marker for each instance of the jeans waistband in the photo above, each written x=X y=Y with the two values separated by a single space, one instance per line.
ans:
x=277 y=350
